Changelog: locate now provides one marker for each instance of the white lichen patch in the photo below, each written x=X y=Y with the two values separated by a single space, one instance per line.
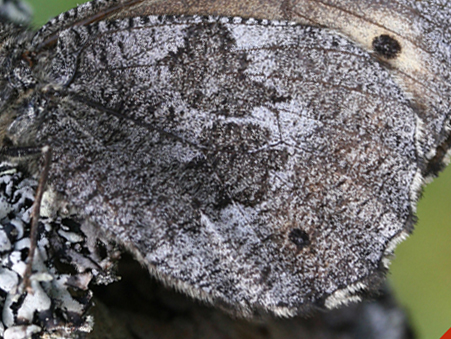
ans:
x=51 y=302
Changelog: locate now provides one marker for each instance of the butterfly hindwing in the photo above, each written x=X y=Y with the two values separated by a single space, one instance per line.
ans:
x=267 y=166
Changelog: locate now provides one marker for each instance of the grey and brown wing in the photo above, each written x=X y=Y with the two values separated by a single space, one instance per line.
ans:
x=410 y=38
x=265 y=166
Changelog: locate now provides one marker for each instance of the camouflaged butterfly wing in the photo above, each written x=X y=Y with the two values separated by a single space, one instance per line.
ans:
x=260 y=165
x=411 y=39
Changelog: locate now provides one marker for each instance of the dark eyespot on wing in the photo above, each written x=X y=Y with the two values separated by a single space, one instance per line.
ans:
x=386 y=46
x=299 y=237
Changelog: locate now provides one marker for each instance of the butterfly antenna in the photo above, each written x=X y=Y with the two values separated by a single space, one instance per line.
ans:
x=47 y=153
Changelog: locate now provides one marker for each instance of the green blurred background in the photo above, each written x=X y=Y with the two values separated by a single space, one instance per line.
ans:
x=421 y=271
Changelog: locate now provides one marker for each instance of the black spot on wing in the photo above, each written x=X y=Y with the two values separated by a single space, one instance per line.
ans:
x=299 y=237
x=386 y=46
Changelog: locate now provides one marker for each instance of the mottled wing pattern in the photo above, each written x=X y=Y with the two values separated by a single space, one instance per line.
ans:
x=261 y=165
x=420 y=62
x=410 y=38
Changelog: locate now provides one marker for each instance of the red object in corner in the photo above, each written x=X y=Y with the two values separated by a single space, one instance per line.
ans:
x=447 y=335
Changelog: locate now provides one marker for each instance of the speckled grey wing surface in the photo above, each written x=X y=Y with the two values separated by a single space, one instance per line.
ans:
x=261 y=165
x=265 y=166
x=410 y=38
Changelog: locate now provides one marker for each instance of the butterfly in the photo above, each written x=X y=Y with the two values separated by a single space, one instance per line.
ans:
x=264 y=158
